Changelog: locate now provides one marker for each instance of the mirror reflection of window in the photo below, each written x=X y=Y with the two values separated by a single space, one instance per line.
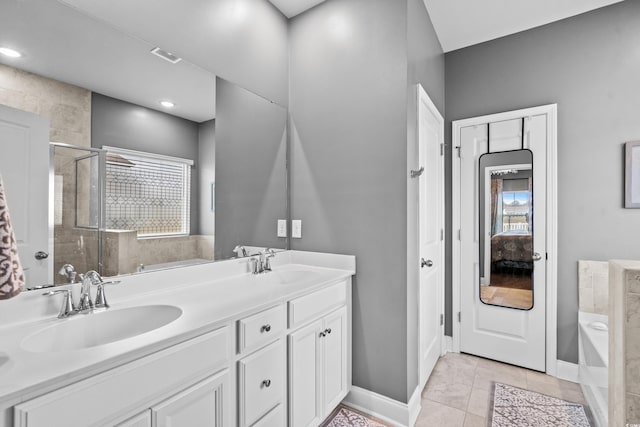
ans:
x=506 y=229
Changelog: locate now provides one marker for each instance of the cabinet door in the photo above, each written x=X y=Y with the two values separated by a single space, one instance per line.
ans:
x=334 y=348
x=261 y=380
x=305 y=376
x=140 y=420
x=200 y=405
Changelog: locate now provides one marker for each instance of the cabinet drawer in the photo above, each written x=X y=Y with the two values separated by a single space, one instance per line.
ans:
x=100 y=399
x=261 y=382
x=272 y=419
x=311 y=306
x=260 y=328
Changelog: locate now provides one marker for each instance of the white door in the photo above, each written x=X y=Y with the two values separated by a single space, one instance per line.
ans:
x=502 y=285
x=431 y=229
x=24 y=166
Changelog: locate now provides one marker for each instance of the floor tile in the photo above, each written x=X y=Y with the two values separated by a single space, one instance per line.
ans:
x=479 y=401
x=436 y=414
x=471 y=420
x=459 y=391
x=455 y=395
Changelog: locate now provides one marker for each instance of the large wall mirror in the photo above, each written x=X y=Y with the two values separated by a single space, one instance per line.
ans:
x=506 y=229
x=134 y=185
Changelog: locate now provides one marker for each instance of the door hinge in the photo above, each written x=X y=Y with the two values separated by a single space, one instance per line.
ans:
x=441 y=234
x=442 y=149
x=459 y=234
x=459 y=150
x=441 y=319
x=459 y=317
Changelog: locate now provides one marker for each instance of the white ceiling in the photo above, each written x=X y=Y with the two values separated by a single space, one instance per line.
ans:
x=291 y=8
x=110 y=54
x=462 y=23
x=61 y=43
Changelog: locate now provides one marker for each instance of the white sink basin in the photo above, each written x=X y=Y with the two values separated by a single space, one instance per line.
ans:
x=91 y=330
x=292 y=276
x=4 y=361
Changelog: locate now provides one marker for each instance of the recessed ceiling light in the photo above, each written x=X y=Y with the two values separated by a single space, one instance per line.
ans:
x=11 y=53
x=167 y=104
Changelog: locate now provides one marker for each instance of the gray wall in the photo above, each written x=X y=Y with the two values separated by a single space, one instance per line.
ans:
x=250 y=167
x=121 y=124
x=207 y=173
x=588 y=65
x=349 y=76
x=425 y=66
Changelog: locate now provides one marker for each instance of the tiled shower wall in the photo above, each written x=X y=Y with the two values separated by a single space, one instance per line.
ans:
x=593 y=286
x=624 y=343
x=68 y=109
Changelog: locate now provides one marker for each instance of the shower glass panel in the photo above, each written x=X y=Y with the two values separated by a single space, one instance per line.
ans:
x=506 y=229
x=77 y=209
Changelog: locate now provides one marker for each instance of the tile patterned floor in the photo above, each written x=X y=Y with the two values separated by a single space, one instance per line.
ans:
x=458 y=392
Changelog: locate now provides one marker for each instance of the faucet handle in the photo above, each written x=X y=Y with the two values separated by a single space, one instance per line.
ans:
x=67 y=308
x=255 y=265
x=269 y=253
x=101 y=297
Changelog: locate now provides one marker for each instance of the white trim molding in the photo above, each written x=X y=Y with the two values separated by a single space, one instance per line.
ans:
x=567 y=371
x=551 y=111
x=384 y=408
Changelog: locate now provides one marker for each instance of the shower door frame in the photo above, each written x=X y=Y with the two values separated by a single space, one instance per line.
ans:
x=102 y=171
x=551 y=332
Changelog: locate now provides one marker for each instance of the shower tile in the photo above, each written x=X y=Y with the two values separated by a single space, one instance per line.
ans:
x=633 y=408
x=633 y=310
x=586 y=300
x=632 y=278
x=632 y=359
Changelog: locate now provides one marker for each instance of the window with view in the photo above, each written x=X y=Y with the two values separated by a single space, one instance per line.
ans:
x=148 y=193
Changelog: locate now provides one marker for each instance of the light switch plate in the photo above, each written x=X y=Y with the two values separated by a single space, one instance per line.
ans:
x=282 y=228
x=296 y=229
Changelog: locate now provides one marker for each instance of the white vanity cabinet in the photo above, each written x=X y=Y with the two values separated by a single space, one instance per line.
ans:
x=279 y=356
x=261 y=368
x=145 y=386
x=203 y=401
x=319 y=362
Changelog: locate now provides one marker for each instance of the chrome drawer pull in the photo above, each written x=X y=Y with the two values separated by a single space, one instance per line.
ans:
x=265 y=328
x=328 y=331
x=266 y=383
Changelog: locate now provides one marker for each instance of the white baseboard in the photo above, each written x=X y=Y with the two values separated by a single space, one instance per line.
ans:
x=386 y=409
x=448 y=344
x=567 y=371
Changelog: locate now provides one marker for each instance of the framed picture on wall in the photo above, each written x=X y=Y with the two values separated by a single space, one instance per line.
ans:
x=632 y=175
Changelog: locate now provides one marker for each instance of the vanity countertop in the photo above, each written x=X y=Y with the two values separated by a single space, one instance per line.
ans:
x=209 y=296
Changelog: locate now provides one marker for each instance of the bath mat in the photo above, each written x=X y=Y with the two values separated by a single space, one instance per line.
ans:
x=343 y=416
x=513 y=406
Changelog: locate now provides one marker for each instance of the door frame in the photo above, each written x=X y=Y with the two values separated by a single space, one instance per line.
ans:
x=423 y=97
x=551 y=311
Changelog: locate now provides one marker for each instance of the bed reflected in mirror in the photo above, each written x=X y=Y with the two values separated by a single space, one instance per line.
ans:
x=506 y=229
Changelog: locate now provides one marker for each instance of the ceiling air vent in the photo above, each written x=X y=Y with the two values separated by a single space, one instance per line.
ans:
x=167 y=56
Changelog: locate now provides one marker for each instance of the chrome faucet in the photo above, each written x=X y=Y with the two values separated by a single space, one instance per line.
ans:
x=240 y=251
x=85 y=305
x=69 y=272
x=263 y=263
